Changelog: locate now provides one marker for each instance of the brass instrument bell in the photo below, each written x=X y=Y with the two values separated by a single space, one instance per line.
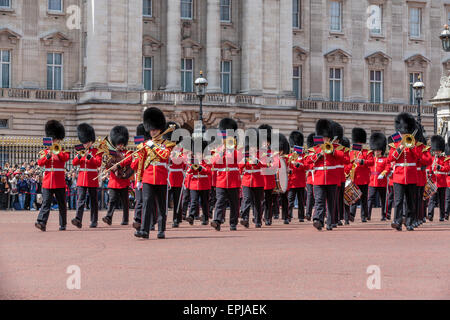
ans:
x=327 y=148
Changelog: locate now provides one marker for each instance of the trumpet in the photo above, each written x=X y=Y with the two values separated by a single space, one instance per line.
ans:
x=195 y=167
x=55 y=148
x=230 y=142
x=327 y=147
x=408 y=140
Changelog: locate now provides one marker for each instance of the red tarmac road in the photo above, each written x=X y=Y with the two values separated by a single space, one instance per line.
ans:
x=196 y=262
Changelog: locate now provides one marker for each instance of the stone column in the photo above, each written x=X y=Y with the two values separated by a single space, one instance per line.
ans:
x=213 y=54
x=252 y=46
x=285 y=58
x=316 y=61
x=97 y=44
x=173 y=45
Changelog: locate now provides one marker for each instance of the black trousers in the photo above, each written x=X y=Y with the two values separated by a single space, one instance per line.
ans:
x=402 y=192
x=438 y=201
x=212 y=201
x=420 y=203
x=300 y=194
x=363 y=202
x=309 y=199
x=154 y=206
x=447 y=201
x=232 y=196
x=47 y=199
x=381 y=192
x=185 y=201
x=339 y=212
x=268 y=203
x=324 y=197
x=138 y=205
x=81 y=201
x=275 y=205
x=175 y=192
x=201 y=196
x=390 y=200
x=252 y=198
x=117 y=196
x=284 y=203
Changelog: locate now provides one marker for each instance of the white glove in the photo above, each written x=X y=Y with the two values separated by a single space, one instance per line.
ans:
x=138 y=185
x=381 y=176
x=150 y=143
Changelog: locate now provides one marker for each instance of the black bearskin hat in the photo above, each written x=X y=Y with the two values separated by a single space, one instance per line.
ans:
x=228 y=124
x=338 y=130
x=310 y=140
x=345 y=142
x=268 y=128
x=86 y=133
x=168 y=136
x=250 y=133
x=54 y=129
x=420 y=134
x=284 y=144
x=119 y=135
x=324 y=128
x=405 y=123
x=154 y=119
x=140 y=131
x=359 y=135
x=378 y=141
x=296 y=138
x=437 y=143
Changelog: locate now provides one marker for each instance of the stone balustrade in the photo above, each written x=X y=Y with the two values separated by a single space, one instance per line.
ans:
x=38 y=95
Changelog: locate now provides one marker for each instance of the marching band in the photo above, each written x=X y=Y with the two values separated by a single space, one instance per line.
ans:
x=328 y=178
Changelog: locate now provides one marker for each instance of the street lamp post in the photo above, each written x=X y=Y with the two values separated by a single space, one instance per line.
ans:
x=419 y=88
x=200 y=89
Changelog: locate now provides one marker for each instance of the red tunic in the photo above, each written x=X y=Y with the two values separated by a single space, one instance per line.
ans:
x=325 y=167
x=404 y=163
x=362 y=170
x=156 y=173
x=200 y=179
x=381 y=165
x=439 y=177
x=88 y=169
x=297 y=179
x=176 y=169
x=55 y=175
x=114 y=181
x=226 y=164
x=422 y=165
x=252 y=174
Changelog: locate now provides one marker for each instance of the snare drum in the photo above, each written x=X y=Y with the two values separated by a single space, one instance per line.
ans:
x=351 y=193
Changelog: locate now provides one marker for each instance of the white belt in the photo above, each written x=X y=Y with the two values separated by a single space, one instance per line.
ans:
x=200 y=176
x=54 y=169
x=340 y=166
x=440 y=172
x=253 y=171
x=175 y=170
x=327 y=168
x=87 y=170
x=406 y=165
x=227 y=169
x=159 y=164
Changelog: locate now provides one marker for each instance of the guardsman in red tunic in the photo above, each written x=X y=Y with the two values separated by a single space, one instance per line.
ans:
x=252 y=180
x=404 y=158
x=422 y=165
x=176 y=176
x=324 y=162
x=54 y=183
x=338 y=134
x=447 y=192
x=297 y=175
x=226 y=162
x=347 y=168
x=138 y=166
x=378 y=172
x=88 y=162
x=439 y=168
x=362 y=160
x=156 y=153
x=199 y=182
x=309 y=181
x=118 y=186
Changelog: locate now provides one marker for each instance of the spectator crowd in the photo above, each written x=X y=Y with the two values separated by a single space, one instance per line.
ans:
x=21 y=188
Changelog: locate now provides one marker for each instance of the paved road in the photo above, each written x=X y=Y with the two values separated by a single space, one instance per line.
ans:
x=196 y=262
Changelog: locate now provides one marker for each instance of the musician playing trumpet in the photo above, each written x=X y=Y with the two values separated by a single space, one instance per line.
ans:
x=438 y=173
x=155 y=153
x=53 y=159
x=422 y=180
x=89 y=160
x=297 y=175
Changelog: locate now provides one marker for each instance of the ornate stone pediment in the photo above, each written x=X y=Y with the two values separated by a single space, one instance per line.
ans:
x=190 y=47
x=9 y=35
x=337 y=55
x=299 y=54
x=229 y=49
x=417 y=60
x=53 y=37
x=378 y=58
x=150 y=45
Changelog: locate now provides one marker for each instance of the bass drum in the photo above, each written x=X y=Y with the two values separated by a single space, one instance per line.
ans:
x=281 y=178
